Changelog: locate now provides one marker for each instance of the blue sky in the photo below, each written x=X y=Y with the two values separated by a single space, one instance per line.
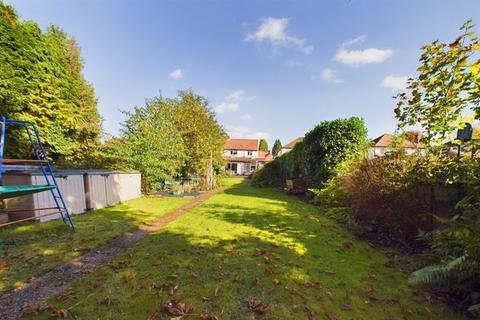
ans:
x=270 y=69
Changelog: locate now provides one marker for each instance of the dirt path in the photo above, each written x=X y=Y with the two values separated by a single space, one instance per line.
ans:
x=14 y=302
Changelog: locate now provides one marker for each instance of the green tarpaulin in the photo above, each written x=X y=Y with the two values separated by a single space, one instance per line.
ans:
x=15 y=191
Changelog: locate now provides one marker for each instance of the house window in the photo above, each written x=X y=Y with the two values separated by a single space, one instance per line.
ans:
x=232 y=166
x=250 y=153
x=233 y=152
x=252 y=168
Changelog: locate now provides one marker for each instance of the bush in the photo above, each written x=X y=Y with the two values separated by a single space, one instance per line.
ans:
x=274 y=173
x=398 y=194
x=457 y=250
x=313 y=161
x=330 y=144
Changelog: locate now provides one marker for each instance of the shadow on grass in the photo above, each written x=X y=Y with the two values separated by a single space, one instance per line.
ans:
x=30 y=249
x=268 y=247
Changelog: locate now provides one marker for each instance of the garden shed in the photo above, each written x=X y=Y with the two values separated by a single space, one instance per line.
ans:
x=82 y=190
x=107 y=188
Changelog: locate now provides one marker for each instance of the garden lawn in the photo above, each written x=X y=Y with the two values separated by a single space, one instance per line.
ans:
x=247 y=253
x=28 y=250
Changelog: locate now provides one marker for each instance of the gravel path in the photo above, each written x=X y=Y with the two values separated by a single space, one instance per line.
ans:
x=14 y=302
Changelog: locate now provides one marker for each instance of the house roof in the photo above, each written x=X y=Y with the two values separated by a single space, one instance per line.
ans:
x=386 y=139
x=241 y=144
x=264 y=156
x=292 y=144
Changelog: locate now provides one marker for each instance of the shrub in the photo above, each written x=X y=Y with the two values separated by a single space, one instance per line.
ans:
x=457 y=249
x=274 y=173
x=328 y=145
x=398 y=194
x=325 y=149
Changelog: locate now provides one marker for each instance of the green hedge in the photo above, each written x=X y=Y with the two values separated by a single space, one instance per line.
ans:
x=318 y=157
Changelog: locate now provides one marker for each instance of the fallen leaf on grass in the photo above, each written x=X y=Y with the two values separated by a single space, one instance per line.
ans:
x=368 y=289
x=309 y=312
x=313 y=284
x=86 y=271
x=347 y=244
x=61 y=313
x=269 y=270
x=166 y=286
x=260 y=252
x=107 y=301
x=3 y=265
x=177 y=308
x=295 y=292
x=328 y=271
x=37 y=308
x=345 y=306
x=215 y=293
x=257 y=306
x=64 y=296
x=130 y=276
x=276 y=282
x=204 y=315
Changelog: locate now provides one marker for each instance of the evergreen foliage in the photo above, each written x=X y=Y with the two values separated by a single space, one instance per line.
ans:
x=263 y=145
x=41 y=81
x=318 y=157
x=277 y=146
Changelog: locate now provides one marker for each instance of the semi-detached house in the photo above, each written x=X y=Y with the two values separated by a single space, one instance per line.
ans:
x=243 y=157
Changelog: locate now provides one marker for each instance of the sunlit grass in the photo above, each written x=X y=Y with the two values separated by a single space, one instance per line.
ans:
x=30 y=249
x=249 y=243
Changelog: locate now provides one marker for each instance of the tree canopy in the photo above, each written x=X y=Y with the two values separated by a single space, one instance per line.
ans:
x=263 y=145
x=448 y=84
x=277 y=146
x=41 y=81
x=170 y=138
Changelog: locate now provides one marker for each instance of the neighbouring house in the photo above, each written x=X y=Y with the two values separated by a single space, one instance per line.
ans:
x=243 y=157
x=289 y=146
x=382 y=144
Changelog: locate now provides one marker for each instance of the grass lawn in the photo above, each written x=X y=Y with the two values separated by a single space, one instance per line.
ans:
x=247 y=253
x=28 y=250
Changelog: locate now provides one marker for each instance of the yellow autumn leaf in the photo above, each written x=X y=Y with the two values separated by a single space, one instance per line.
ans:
x=475 y=69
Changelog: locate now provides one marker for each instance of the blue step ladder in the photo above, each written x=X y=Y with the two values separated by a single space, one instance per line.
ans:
x=46 y=169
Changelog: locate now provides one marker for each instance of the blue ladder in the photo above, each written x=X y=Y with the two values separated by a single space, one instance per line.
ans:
x=45 y=166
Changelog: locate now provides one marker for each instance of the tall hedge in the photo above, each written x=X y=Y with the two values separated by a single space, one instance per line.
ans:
x=41 y=81
x=318 y=156
x=329 y=144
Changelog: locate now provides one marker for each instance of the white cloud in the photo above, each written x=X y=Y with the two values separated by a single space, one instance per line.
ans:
x=273 y=30
x=246 y=132
x=328 y=75
x=236 y=95
x=395 y=83
x=354 y=41
x=176 y=74
x=246 y=116
x=227 y=106
x=359 y=57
